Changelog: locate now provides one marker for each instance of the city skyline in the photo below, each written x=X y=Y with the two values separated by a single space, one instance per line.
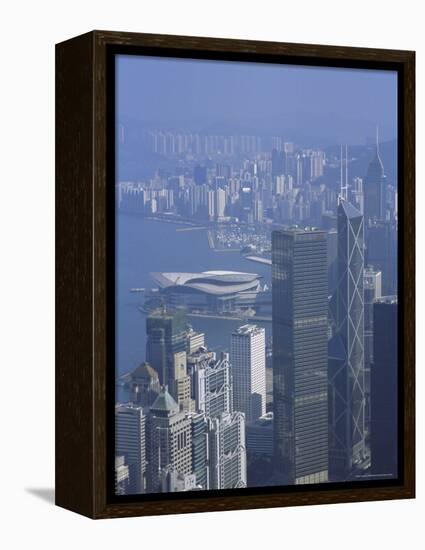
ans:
x=255 y=274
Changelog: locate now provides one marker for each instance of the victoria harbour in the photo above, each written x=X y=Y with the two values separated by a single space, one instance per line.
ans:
x=148 y=245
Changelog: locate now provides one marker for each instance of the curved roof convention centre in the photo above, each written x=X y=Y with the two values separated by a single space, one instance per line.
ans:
x=218 y=283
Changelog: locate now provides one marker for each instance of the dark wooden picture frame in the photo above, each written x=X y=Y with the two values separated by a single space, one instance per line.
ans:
x=84 y=266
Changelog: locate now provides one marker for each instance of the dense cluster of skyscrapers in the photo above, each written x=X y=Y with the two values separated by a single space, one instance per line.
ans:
x=249 y=186
x=198 y=420
x=184 y=428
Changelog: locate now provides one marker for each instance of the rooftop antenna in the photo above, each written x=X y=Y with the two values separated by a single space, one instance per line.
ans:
x=377 y=139
x=346 y=172
x=344 y=181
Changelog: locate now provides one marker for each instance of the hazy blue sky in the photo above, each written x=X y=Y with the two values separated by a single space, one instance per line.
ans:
x=338 y=104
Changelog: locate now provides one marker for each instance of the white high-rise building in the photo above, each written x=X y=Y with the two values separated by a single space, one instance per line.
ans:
x=211 y=204
x=220 y=203
x=130 y=442
x=248 y=360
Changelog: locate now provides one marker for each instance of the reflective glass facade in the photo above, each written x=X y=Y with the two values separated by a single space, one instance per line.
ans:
x=300 y=363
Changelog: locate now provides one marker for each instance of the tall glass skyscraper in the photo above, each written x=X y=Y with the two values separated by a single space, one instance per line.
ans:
x=167 y=335
x=300 y=362
x=384 y=388
x=130 y=443
x=374 y=188
x=346 y=349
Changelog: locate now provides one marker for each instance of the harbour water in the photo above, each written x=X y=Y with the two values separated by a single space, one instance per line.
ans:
x=147 y=245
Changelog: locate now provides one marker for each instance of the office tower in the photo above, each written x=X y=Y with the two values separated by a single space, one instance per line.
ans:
x=346 y=349
x=122 y=477
x=166 y=335
x=372 y=291
x=392 y=200
x=332 y=254
x=289 y=160
x=356 y=194
x=269 y=379
x=195 y=340
x=210 y=204
x=282 y=184
x=170 y=440
x=279 y=185
x=372 y=283
x=200 y=174
x=317 y=206
x=194 y=200
x=381 y=252
x=374 y=188
x=259 y=436
x=130 y=442
x=200 y=459
x=213 y=386
x=300 y=169
x=245 y=198
x=301 y=211
x=315 y=165
x=300 y=318
x=144 y=385
x=194 y=361
x=248 y=360
x=220 y=203
x=180 y=384
x=286 y=208
x=277 y=163
x=227 y=451
x=258 y=211
x=223 y=171
x=384 y=388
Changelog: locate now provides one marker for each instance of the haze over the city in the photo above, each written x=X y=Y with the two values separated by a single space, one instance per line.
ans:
x=332 y=105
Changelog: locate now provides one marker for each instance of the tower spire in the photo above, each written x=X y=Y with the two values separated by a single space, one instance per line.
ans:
x=377 y=140
x=344 y=174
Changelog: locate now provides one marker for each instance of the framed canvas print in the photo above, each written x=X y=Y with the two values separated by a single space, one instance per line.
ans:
x=235 y=274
